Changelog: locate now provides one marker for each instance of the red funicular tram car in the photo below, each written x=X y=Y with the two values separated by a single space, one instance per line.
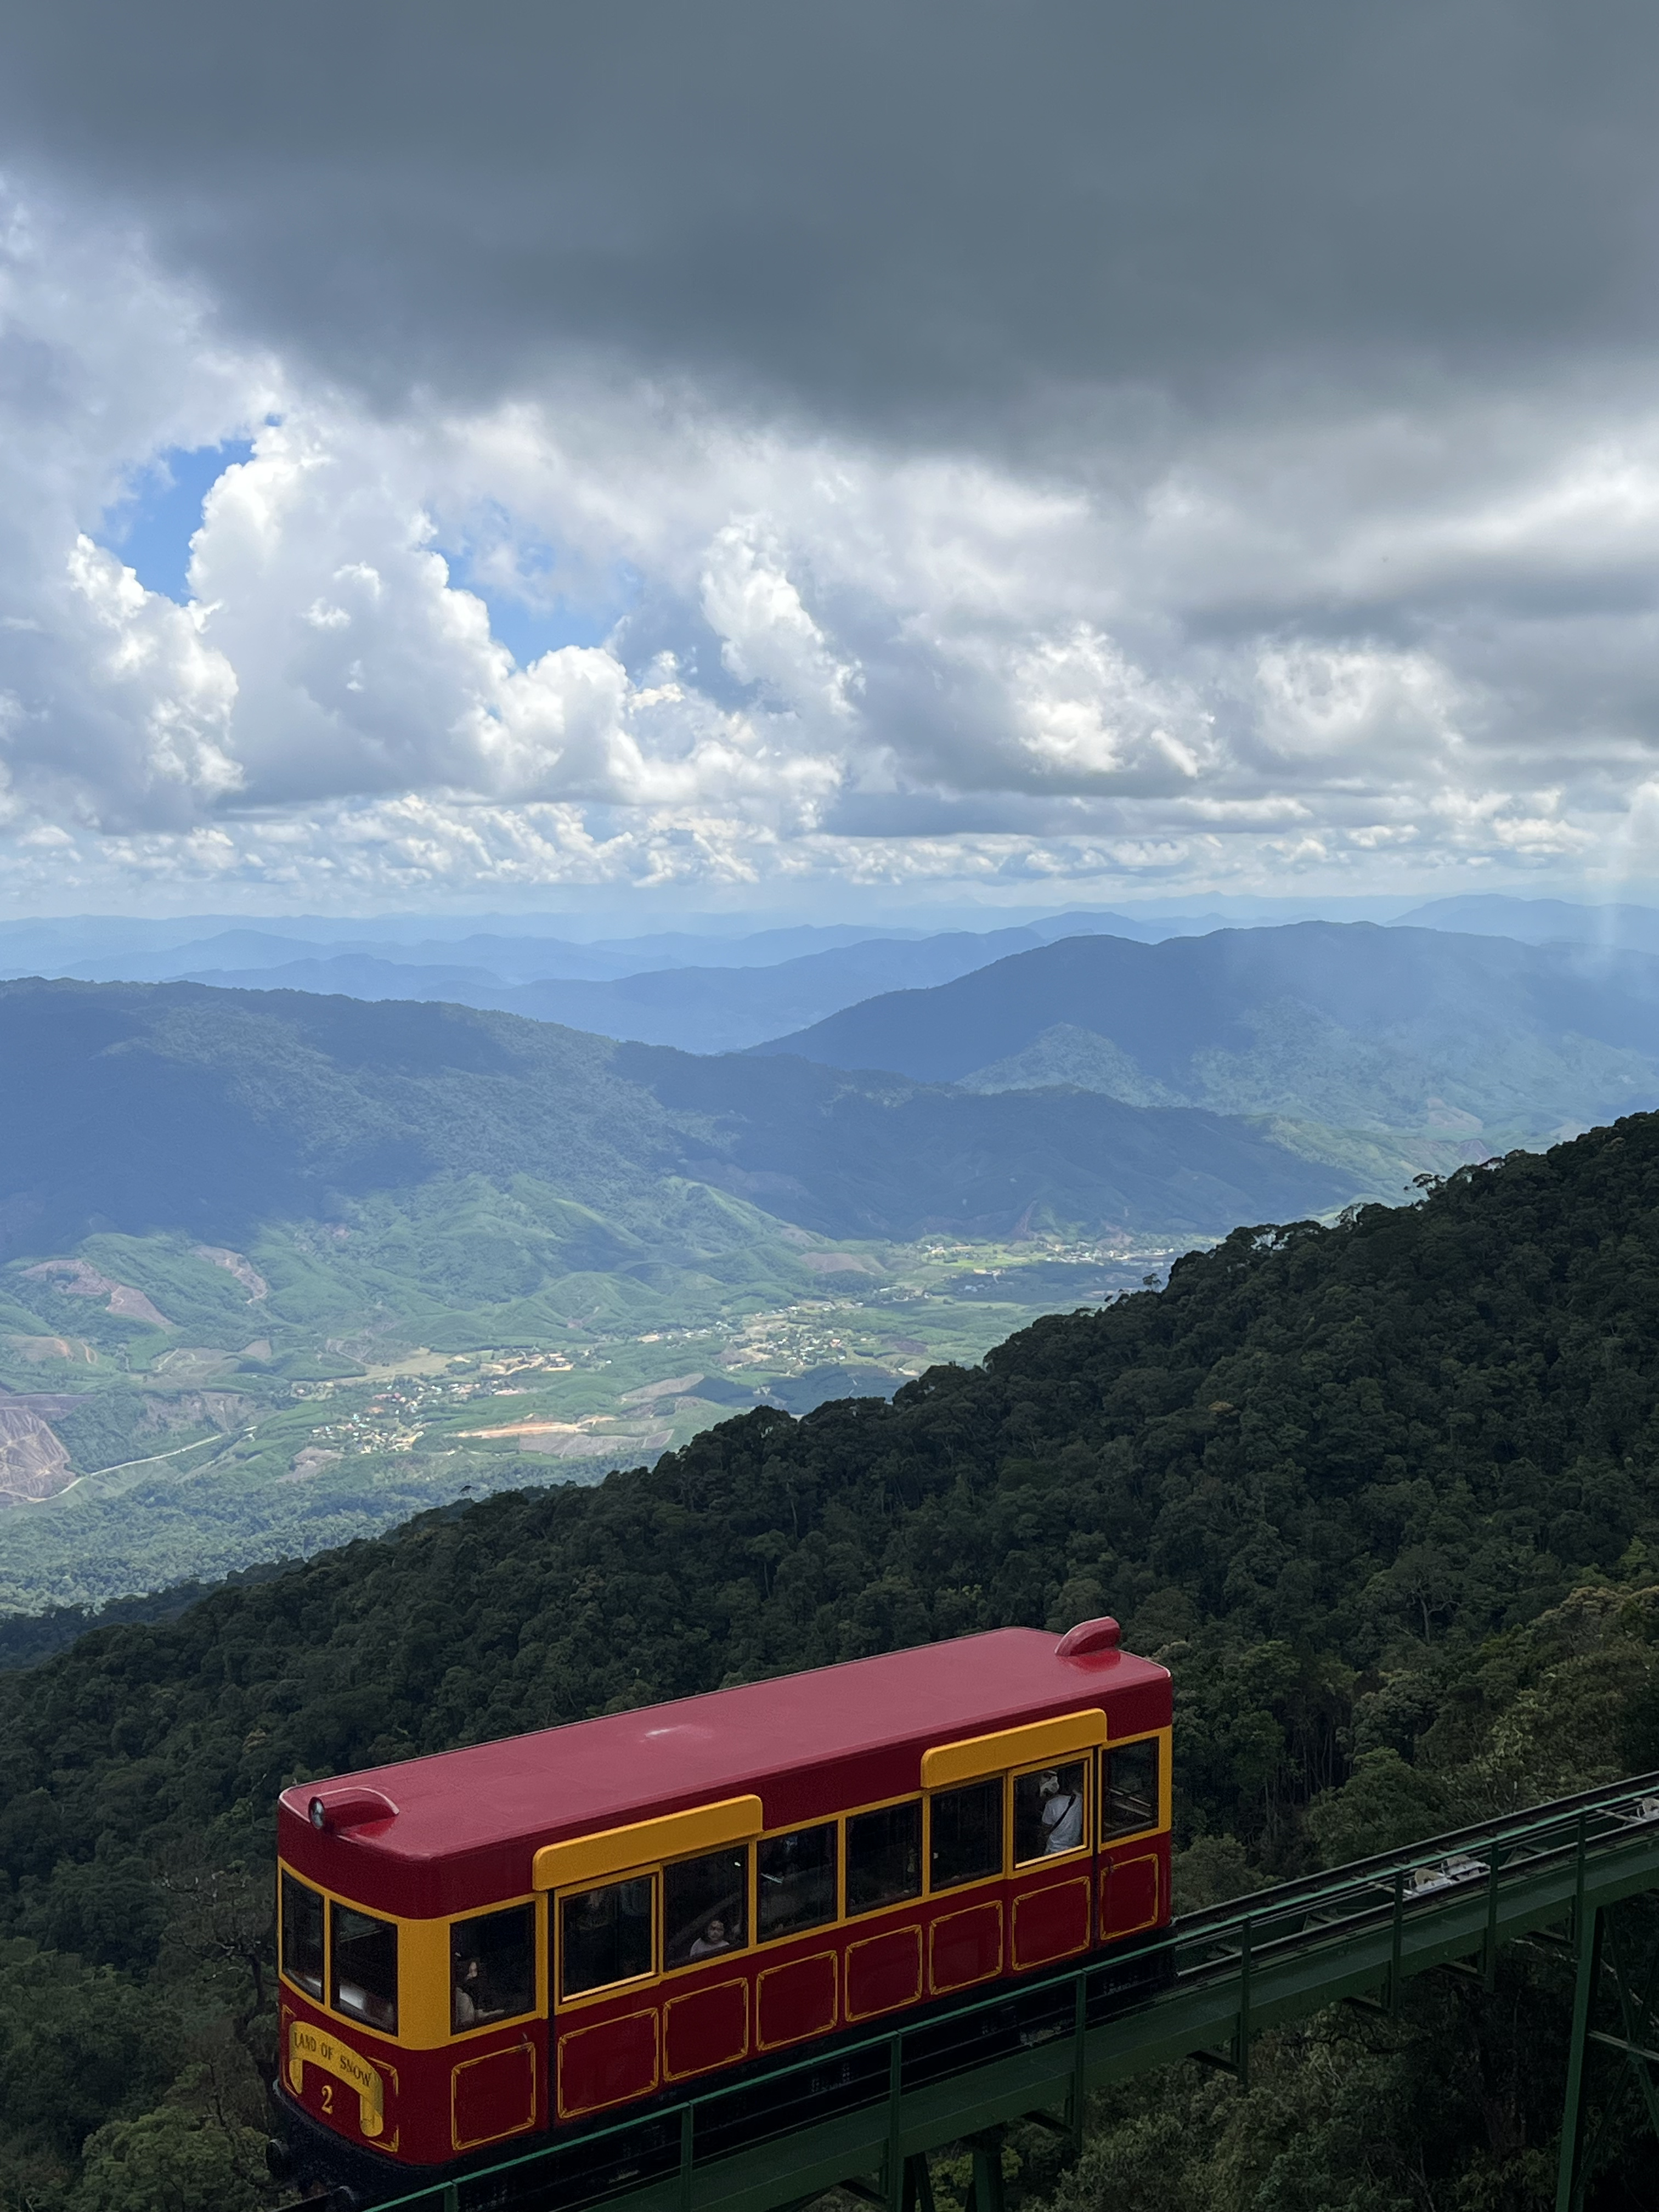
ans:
x=535 y=1935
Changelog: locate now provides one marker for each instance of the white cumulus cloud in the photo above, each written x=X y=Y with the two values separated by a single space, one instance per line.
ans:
x=623 y=629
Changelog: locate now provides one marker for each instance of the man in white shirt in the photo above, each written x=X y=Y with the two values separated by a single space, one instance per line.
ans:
x=1062 y=1815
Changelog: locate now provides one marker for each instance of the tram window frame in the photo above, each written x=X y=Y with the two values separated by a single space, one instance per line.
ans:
x=894 y=1815
x=1114 y=1832
x=984 y=1785
x=341 y=1944
x=567 y=1903
x=471 y=1939
x=679 y=1878
x=808 y=1880
x=292 y=1890
x=1060 y=1768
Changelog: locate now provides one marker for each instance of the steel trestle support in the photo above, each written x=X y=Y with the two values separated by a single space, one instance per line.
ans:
x=864 y=2113
x=1607 y=1951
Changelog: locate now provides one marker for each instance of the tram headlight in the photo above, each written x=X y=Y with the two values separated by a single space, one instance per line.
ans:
x=349 y=1805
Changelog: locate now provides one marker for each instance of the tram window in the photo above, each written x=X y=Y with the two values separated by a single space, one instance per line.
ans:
x=964 y=1835
x=797 y=1882
x=705 y=1907
x=365 y=1967
x=302 y=1935
x=1129 y=1790
x=492 y=1968
x=1048 y=1813
x=883 y=1856
x=604 y=1935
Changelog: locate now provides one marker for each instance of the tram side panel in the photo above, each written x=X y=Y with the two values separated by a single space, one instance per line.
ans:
x=414 y=2042
x=625 y=2044
x=863 y=1965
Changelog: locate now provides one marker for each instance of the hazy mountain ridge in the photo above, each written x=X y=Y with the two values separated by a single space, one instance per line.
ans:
x=1347 y=1026
x=1614 y=925
x=175 y=1106
x=700 y=993
x=694 y=1007
x=1302 y=1064
x=717 y=1008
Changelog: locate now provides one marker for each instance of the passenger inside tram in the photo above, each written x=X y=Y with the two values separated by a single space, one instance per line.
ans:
x=714 y=1938
x=706 y=1905
x=1062 y=1815
x=492 y=1970
x=470 y=2003
x=1048 y=1813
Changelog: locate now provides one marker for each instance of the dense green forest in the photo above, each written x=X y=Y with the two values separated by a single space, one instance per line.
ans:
x=1381 y=1494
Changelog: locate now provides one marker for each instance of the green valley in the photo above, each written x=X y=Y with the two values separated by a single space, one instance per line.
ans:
x=336 y=1377
x=280 y=1270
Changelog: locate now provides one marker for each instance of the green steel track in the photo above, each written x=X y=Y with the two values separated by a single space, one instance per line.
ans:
x=864 y=2113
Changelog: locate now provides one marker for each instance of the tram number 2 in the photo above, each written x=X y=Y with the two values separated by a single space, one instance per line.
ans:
x=328 y=2096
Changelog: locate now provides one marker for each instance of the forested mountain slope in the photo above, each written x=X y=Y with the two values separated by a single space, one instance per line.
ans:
x=1382 y=1495
x=171 y=1106
x=1344 y=1024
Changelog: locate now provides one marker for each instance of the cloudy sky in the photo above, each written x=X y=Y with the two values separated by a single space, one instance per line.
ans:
x=800 y=453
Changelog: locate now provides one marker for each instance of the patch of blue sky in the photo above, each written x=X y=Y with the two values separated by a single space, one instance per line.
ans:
x=528 y=632
x=150 y=528
x=539 y=599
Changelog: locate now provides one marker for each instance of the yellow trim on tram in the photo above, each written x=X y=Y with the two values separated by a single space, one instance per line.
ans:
x=583 y=1862
x=976 y=1758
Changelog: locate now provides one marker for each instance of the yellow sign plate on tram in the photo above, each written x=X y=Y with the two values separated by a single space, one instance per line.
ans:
x=312 y=2046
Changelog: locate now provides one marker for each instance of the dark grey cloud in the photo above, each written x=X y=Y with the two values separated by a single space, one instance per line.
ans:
x=948 y=212
x=1119 y=440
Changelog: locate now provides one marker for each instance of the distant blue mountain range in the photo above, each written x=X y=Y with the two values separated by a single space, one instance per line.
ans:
x=701 y=992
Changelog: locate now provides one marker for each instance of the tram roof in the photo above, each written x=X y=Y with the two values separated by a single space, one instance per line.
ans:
x=809 y=1745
